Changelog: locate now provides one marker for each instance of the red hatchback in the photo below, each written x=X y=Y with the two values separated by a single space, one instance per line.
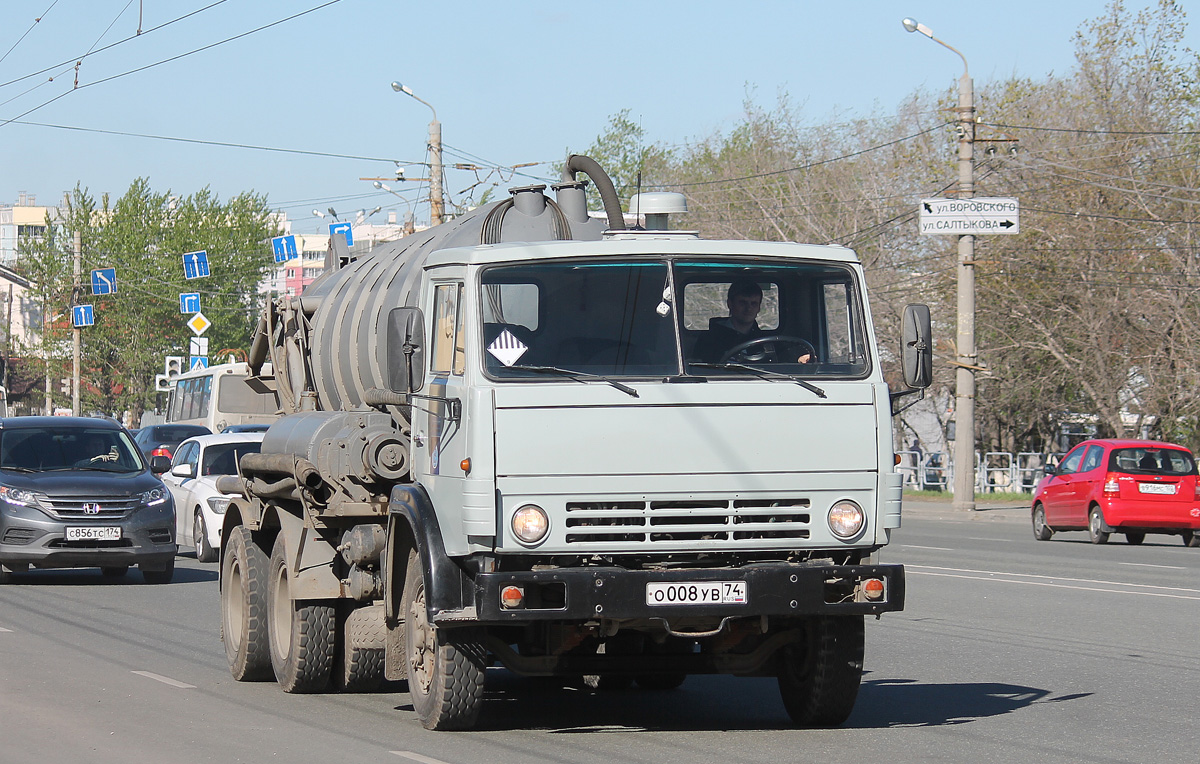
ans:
x=1133 y=487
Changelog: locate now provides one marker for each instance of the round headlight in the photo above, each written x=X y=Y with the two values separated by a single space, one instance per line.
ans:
x=530 y=524
x=846 y=519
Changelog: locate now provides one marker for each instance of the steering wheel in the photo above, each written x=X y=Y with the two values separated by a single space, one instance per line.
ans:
x=745 y=351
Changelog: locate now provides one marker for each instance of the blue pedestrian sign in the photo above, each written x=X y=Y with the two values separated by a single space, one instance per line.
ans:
x=104 y=281
x=198 y=362
x=189 y=302
x=195 y=265
x=284 y=248
x=82 y=315
x=342 y=228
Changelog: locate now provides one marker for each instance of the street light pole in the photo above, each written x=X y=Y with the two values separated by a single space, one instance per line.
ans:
x=76 y=333
x=966 y=355
x=437 y=207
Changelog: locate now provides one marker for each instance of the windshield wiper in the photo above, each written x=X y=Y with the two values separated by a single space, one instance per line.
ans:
x=578 y=376
x=13 y=468
x=763 y=374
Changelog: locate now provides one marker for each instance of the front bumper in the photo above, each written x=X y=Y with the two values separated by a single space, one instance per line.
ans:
x=29 y=536
x=772 y=589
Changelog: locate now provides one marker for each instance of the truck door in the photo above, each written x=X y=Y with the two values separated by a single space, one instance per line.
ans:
x=439 y=437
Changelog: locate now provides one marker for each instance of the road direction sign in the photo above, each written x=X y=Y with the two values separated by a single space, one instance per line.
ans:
x=82 y=315
x=189 y=302
x=342 y=228
x=284 y=248
x=104 y=281
x=198 y=346
x=198 y=324
x=978 y=216
x=195 y=265
x=197 y=362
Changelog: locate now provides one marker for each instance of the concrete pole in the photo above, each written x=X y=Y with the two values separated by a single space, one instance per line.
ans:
x=76 y=333
x=437 y=207
x=966 y=357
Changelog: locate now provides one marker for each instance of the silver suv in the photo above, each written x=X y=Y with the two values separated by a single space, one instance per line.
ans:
x=77 y=493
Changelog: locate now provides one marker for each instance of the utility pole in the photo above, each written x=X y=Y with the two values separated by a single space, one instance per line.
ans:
x=437 y=206
x=966 y=357
x=76 y=332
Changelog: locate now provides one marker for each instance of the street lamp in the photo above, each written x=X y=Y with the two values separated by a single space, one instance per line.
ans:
x=436 y=205
x=966 y=356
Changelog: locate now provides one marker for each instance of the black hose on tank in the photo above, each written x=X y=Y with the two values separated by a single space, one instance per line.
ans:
x=604 y=184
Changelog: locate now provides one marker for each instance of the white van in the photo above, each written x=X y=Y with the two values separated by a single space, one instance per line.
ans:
x=220 y=396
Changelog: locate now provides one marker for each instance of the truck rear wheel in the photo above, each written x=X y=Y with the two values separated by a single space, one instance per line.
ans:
x=301 y=633
x=819 y=679
x=244 y=607
x=445 y=666
x=359 y=663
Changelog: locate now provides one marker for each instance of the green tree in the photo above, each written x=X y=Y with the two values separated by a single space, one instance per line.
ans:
x=144 y=235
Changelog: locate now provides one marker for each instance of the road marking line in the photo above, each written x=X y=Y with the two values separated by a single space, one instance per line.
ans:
x=934 y=548
x=1060 y=586
x=978 y=538
x=165 y=680
x=1148 y=565
x=417 y=757
x=1056 y=578
x=5 y=631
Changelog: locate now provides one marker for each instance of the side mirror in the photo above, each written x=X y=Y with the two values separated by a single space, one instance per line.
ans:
x=180 y=470
x=159 y=464
x=916 y=349
x=405 y=350
x=1050 y=469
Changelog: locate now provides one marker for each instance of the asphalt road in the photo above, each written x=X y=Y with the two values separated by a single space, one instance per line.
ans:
x=1010 y=650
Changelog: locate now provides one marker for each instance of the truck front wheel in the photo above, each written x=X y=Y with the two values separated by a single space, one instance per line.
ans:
x=301 y=632
x=244 y=607
x=445 y=666
x=819 y=678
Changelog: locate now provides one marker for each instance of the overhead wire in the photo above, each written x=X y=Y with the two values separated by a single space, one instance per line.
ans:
x=36 y=21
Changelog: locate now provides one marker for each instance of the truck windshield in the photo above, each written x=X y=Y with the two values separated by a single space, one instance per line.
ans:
x=643 y=318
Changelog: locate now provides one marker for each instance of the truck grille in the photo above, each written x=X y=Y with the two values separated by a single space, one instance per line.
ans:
x=723 y=521
x=72 y=507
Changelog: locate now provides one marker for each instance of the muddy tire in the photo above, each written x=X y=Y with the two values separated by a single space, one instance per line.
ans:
x=244 y=607
x=819 y=679
x=357 y=666
x=300 y=633
x=445 y=666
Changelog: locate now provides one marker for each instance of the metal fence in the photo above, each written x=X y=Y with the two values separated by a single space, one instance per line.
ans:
x=995 y=471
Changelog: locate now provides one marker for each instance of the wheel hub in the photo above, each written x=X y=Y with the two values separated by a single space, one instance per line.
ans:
x=420 y=644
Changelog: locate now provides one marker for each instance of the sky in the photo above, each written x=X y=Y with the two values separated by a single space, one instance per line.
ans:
x=512 y=83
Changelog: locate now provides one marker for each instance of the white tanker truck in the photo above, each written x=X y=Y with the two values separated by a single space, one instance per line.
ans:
x=527 y=438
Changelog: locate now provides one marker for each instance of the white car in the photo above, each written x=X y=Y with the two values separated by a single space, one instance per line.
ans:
x=199 y=506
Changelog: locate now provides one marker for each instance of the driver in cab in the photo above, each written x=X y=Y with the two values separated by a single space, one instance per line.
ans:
x=744 y=300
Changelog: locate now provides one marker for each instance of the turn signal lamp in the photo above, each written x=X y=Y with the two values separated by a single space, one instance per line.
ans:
x=1112 y=488
x=465 y=464
x=512 y=597
x=873 y=589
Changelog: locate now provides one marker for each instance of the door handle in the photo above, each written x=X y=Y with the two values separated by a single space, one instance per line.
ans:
x=418 y=440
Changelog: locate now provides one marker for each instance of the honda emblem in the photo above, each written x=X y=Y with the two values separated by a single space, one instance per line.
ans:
x=91 y=509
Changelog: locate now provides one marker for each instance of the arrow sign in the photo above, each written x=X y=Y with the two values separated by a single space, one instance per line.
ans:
x=978 y=216
x=342 y=228
x=82 y=315
x=189 y=302
x=104 y=281
x=284 y=248
x=195 y=265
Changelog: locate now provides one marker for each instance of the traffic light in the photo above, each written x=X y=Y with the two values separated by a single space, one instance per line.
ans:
x=174 y=366
x=162 y=383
